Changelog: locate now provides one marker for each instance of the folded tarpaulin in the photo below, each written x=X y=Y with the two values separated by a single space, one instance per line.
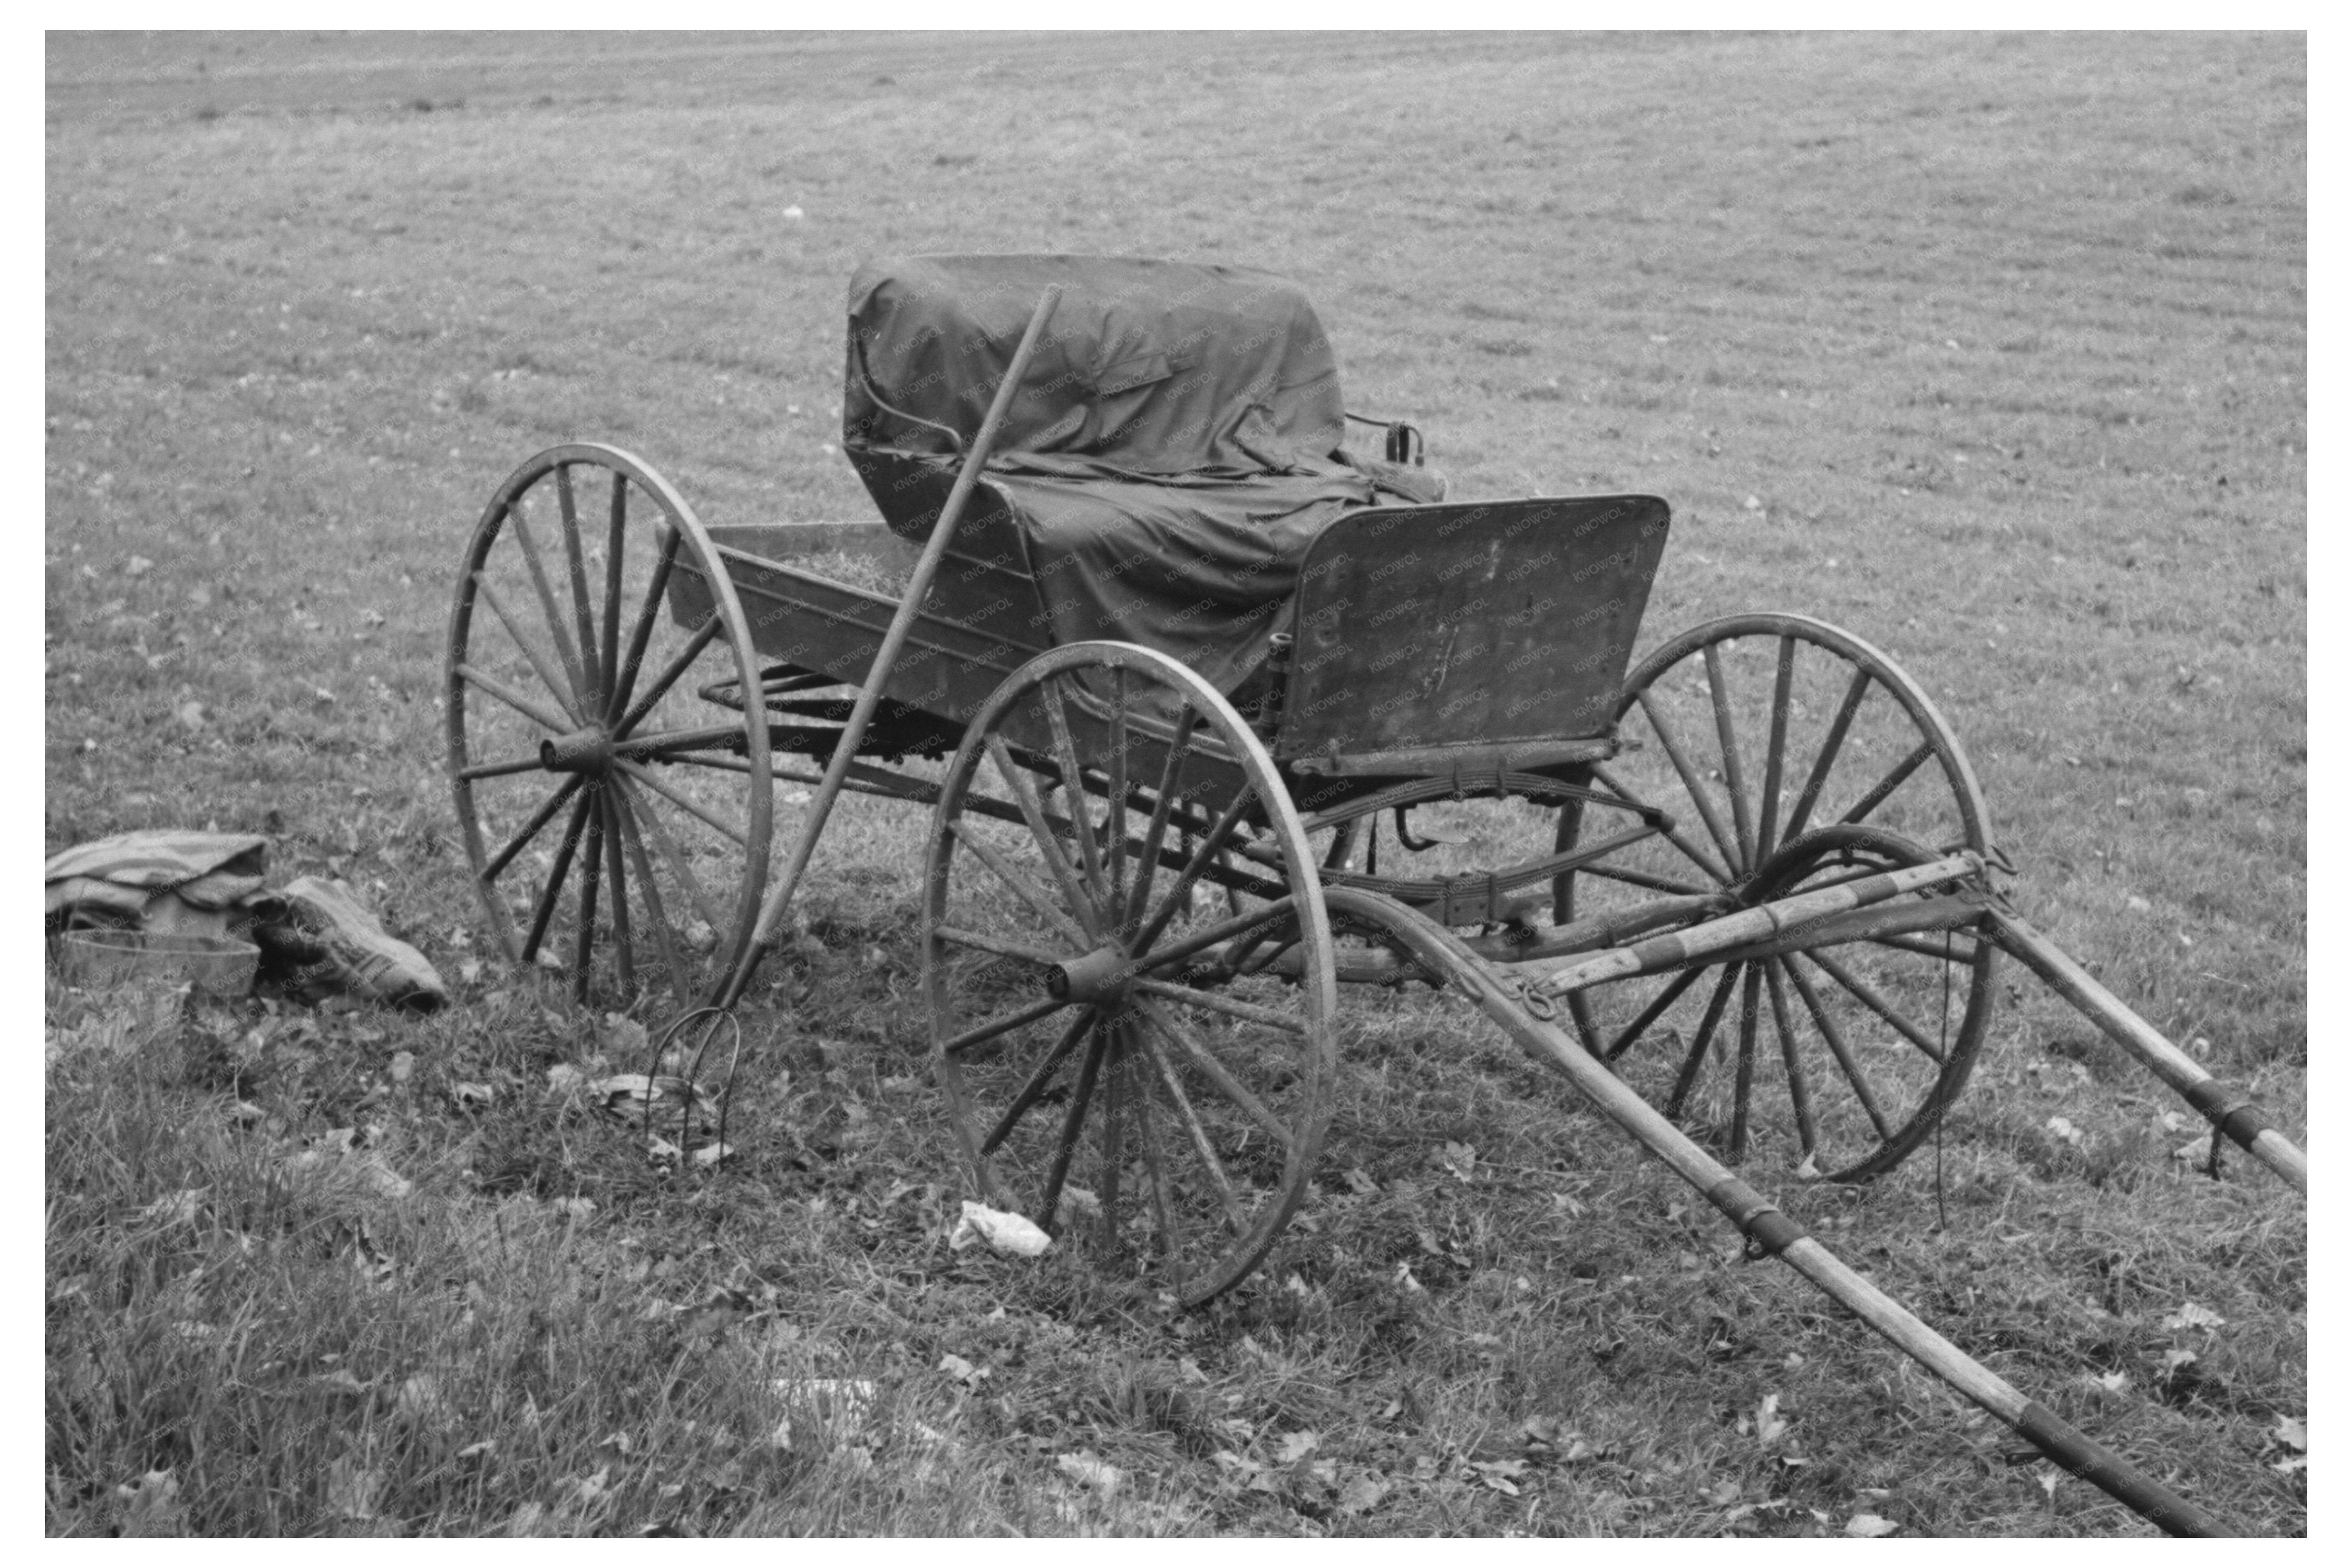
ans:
x=1173 y=448
x=111 y=882
x=1147 y=367
x=1200 y=572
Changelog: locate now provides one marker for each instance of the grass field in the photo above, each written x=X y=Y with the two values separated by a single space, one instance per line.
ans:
x=1988 y=348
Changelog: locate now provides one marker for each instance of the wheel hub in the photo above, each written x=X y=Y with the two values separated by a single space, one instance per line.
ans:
x=585 y=750
x=1101 y=977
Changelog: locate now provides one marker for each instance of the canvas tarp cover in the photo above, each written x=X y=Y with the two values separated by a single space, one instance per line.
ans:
x=1173 y=448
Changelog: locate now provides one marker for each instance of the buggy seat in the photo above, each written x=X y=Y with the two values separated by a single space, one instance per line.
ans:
x=1174 y=448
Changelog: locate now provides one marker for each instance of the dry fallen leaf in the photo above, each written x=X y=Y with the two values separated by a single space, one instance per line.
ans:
x=2192 y=1316
x=1295 y=1446
x=1502 y=1474
x=1085 y=1468
x=176 y=1208
x=151 y=1506
x=1769 y=1425
x=1870 y=1526
x=353 y=1490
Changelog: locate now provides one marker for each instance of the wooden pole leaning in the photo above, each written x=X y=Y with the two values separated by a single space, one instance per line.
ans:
x=2233 y=1114
x=1768 y=1229
x=902 y=625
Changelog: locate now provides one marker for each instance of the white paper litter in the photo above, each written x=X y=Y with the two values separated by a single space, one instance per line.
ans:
x=1009 y=1233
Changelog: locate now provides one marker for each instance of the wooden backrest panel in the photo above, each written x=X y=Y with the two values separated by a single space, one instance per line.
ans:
x=1474 y=623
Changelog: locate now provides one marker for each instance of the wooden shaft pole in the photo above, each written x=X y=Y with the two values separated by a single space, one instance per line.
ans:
x=1758 y=924
x=1764 y=1225
x=2244 y=1122
x=902 y=625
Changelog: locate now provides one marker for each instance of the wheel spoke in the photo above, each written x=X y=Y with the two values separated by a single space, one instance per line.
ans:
x=1037 y=1082
x=1878 y=793
x=624 y=951
x=530 y=830
x=1744 y=1080
x=677 y=746
x=1147 y=1135
x=1733 y=780
x=616 y=536
x=1207 y=937
x=701 y=639
x=1147 y=864
x=1005 y=1025
x=548 y=674
x=657 y=914
x=544 y=911
x=1199 y=1135
x=1209 y=848
x=500 y=769
x=1694 y=786
x=1867 y=995
x=1216 y=1072
x=578 y=571
x=1114 y=1103
x=693 y=808
x=1074 y=788
x=1115 y=804
x=1216 y=1003
x=680 y=863
x=1674 y=836
x=1049 y=848
x=643 y=631
x=1828 y=1029
x=1810 y=793
x=1249 y=963
x=1768 y=815
x=1700 y=1039
x=1072 y=1124
x=555 y=724
x=520 y=529
x=591 y=866
x=1665 y=998
x=998 y=946
x=1800 y=1089
x=1028 y=892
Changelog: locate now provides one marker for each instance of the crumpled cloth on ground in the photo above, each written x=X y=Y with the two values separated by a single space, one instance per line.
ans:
x=313 y=932
x=161 y=879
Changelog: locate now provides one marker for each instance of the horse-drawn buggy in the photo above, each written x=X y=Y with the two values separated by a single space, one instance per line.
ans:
x=1215 y=715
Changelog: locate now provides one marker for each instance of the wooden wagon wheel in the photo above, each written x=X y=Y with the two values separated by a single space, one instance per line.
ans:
x=1791 y=754
x=1170 y=1131
x=617 y=823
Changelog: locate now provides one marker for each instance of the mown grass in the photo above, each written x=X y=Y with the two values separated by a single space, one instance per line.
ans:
x=2004 y=338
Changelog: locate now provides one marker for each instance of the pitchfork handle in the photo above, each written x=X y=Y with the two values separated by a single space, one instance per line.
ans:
x=902 y=625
